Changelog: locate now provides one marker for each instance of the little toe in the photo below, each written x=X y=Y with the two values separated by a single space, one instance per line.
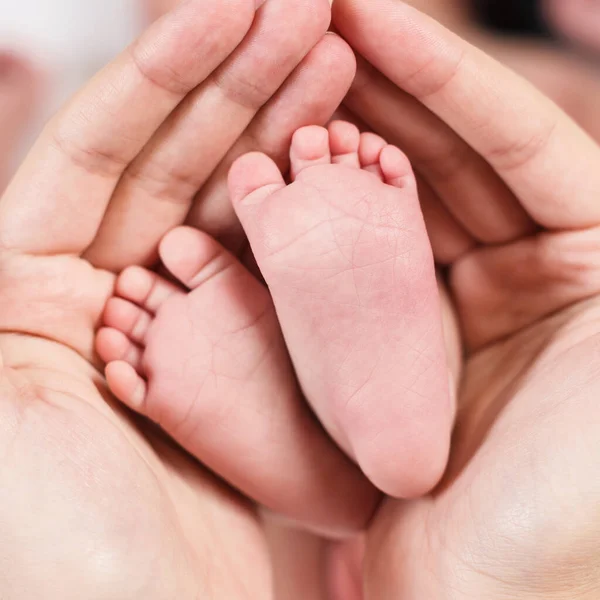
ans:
x=125 y=383
x=396 y=168
x=112 y=344
x=252 y=178
x=128 y=318
x=369 y=153
x=344 y=142
x=310 y=147
x=145 y=288
x=193 y=257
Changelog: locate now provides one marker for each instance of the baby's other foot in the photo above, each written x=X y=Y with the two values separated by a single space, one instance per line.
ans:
x=206 y=360
x=347 y=259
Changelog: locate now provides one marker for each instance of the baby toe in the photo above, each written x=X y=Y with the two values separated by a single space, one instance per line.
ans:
x=310 y=147
x=369 y=153
x=125 y=383
x=396 y=168
x=144 y=288
x=193 y=257
x=128 y=318
x=344 y=142
x=112 y=344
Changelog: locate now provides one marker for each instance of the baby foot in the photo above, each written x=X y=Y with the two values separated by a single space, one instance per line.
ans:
x=208 y=363
x=347 y=259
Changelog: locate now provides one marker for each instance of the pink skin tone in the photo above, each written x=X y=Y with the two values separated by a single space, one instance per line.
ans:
x=577 y=20
x=345 y=243
x=19 y=83
x=64 y=437
x=350 y=269
x=516 y=515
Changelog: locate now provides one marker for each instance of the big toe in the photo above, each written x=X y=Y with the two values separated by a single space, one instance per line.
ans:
x=252 y=178
x=193 y=257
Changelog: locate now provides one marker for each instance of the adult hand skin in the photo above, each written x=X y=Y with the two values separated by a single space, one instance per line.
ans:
x=94 y=502
x=561 y=73
x=510 y=187
x=496 y=528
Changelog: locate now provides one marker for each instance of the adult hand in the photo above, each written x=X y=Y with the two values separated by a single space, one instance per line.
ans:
x=94 y=502
x=510 y=188
x=560 y=73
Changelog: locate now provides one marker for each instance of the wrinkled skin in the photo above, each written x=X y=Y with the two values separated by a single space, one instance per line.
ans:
x=75 y=467
x=94 y=502
x=517 y=229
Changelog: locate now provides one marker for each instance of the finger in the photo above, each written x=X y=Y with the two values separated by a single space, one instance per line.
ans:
x=449 y=241
x=505 y=289
x=309 y=97
x=157 y=190
x=297 y=559
x=57 y=200
x=523 y=135
x=18 y=83
x=454 y=171
x=153 y=9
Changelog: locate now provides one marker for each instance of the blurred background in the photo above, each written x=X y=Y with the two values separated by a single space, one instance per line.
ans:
x=49 y=48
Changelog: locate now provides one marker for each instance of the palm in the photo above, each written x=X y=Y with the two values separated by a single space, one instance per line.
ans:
x=96 y=503
x=513 y=219
x=512 y=480
x=102 y=476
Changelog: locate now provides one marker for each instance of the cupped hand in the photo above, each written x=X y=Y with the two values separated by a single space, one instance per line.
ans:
x=564 y=75
x=96 y=503
x=510 y=189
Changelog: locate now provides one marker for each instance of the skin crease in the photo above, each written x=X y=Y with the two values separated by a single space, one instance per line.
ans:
x=529 y=312
x=507 y=479
x=530 y=59
x=100 y=472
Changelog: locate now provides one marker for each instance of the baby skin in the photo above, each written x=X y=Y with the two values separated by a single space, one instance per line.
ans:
x=350 y=294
